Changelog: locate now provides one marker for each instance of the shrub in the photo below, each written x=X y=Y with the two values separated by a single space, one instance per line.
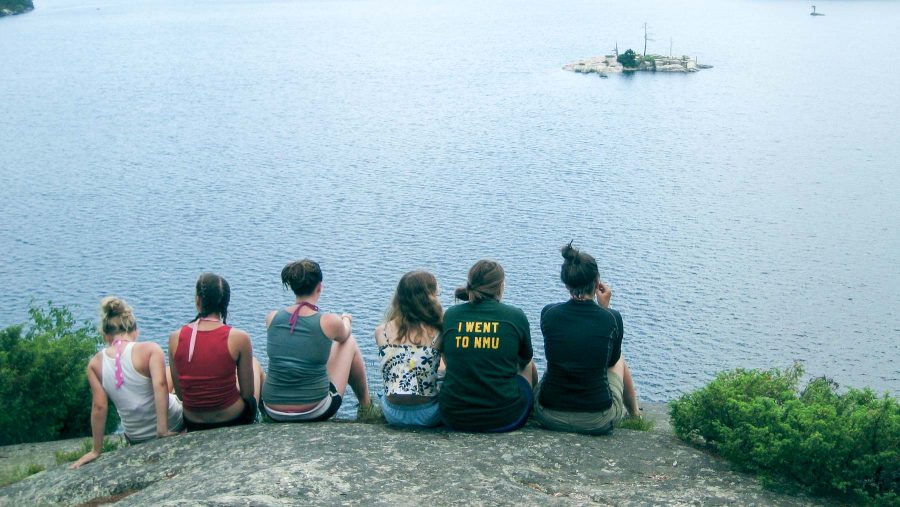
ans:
x=828 y=442
x=42 y=378
x=628 y=59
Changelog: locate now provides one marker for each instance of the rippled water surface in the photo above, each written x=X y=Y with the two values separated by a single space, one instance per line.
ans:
x=745 y=216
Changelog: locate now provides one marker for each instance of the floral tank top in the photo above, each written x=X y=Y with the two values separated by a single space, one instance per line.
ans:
x=409 y=369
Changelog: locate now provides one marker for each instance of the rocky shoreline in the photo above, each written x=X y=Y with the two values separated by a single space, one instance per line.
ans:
x=608 y=64
x=345 y=463
x=13 y=8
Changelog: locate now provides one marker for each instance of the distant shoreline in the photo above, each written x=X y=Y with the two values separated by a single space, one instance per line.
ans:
x=16 y=7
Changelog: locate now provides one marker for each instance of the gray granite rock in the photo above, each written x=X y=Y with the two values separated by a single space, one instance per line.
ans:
x=343 y=463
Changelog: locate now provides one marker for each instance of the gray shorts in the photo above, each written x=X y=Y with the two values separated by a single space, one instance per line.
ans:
x=590 y=423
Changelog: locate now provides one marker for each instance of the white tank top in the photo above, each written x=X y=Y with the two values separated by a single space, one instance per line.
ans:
x=134 y=399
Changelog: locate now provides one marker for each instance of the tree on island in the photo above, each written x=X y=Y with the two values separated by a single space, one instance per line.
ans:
x=628 y=59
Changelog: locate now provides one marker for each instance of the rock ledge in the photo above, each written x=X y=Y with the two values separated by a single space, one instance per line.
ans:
x=347 y=463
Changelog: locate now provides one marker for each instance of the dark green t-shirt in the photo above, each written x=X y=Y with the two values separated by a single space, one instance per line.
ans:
x=484 y=346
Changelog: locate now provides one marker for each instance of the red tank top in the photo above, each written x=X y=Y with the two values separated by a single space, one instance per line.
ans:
x=209 y=381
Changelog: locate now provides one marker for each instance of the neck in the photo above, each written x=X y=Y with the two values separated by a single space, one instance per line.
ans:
x=120 y=337
x=582 y=298
x=211 y=316
x=311 y=299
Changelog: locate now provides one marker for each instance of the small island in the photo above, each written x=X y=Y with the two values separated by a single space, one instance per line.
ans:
x=629 y=61
x=10 y=7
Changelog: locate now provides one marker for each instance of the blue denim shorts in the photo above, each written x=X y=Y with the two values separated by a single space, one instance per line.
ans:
x=425 y=415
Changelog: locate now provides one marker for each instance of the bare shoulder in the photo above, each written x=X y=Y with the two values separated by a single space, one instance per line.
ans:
x=271 y=316
x=379 y=334
x=96 y=363
x=148 y=350
x=331 y=324
x=238 y=336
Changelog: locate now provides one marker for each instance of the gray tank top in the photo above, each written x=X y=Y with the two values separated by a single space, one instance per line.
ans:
x=297 y=362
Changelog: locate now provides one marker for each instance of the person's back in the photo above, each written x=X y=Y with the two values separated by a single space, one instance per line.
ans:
x=409 y=352
x=588 y=386
x=207 y=380
x=579 y=338
x=134 y=376
x=312 y=355
x=134 y=399
x=213 y=367
x=297 y=361
x=486 y=346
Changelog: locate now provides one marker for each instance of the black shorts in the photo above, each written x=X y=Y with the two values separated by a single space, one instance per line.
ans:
x=248 y=416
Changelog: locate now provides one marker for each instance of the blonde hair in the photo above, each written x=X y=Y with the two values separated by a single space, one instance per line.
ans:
x=116 y=317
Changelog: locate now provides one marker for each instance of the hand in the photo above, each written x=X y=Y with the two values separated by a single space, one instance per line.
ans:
x=87 y=458
x=604 y=294
x=167 y=434
x=348 y=317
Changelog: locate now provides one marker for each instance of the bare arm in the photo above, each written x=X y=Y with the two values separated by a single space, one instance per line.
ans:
x=603 y=294
x=243 y=349
x=173 y=346
x=157 y=363
x=337 y=328
x=379 y=335
x=99 y=409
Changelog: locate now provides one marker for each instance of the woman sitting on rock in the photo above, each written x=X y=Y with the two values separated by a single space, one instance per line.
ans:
x=134 y=376
x=312 y=355
x=207 y=355
x=588 y=386
x=487 y=349
x=409 y=348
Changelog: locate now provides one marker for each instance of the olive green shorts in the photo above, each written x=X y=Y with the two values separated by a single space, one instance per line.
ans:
x=590 y=423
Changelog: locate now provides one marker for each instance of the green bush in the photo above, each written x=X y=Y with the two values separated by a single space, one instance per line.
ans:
x=43 y=384
x=628 y=59
x=828 y=442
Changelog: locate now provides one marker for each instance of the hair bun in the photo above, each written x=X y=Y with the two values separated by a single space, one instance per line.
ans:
x=112 y=306
x=570 y=253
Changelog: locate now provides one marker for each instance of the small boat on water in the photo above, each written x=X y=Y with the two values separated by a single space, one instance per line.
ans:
x=814 y=13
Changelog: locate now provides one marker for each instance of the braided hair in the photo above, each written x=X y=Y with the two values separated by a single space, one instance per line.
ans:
x=215 y=294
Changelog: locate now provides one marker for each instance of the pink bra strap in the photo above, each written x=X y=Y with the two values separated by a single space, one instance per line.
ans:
x=120 y=346
x=296 y=313
x=194 y=335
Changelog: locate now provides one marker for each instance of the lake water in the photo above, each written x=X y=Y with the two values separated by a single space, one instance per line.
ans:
x=745 y=216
